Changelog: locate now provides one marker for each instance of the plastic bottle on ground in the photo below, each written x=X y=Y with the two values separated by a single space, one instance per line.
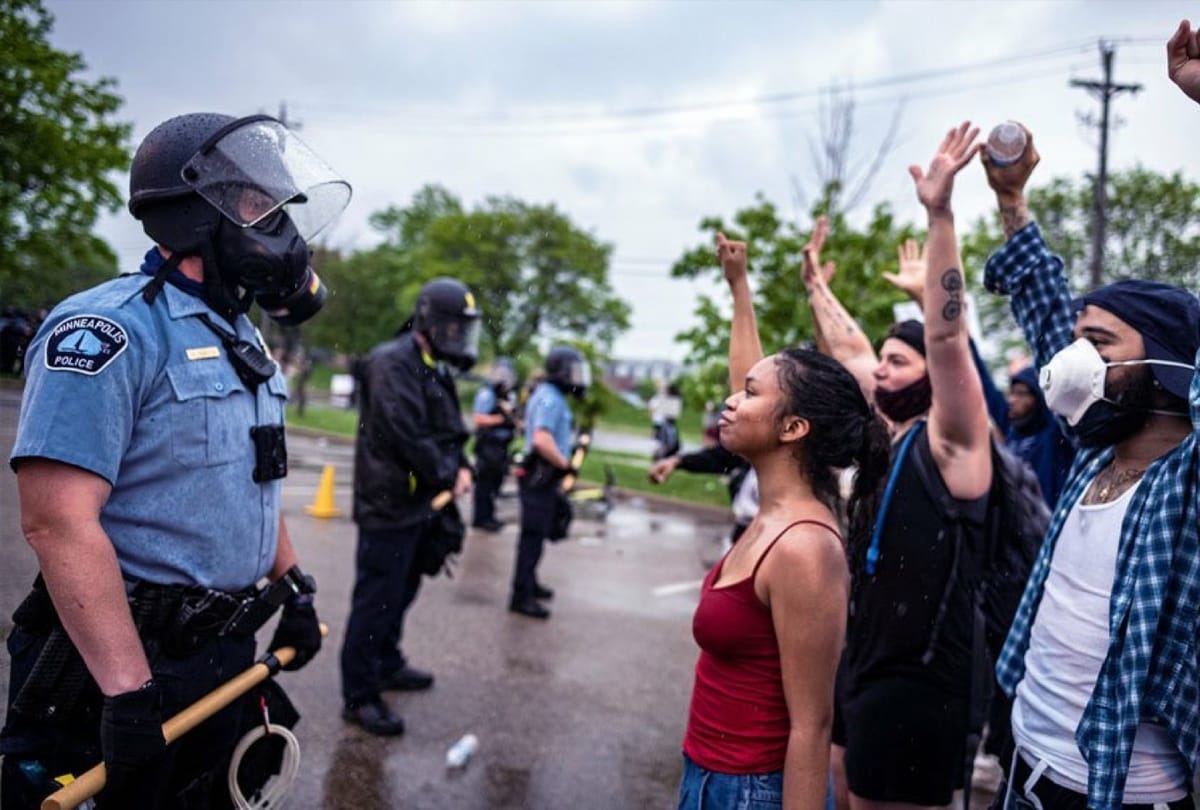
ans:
x=460 y=753
x=1006 y=143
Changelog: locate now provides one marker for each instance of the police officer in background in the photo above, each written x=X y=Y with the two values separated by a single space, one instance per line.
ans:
x=409 y=449
x=495 y=426
x=548 y=437
x=148 y=456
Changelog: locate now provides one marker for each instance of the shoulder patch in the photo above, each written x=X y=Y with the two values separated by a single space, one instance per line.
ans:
x=85 y=344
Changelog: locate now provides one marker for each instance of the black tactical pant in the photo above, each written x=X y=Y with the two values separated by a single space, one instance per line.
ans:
x=193 y=770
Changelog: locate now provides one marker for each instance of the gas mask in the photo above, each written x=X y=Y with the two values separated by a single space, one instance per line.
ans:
x=1073 y=383
x=269 y=261
x=273 y=195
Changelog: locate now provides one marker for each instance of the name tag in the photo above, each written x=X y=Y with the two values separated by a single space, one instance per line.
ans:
x=203 y=353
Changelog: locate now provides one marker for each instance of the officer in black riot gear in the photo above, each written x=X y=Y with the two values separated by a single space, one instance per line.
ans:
x=409 y=449
x=148 y=456
x=495 y=426
x=545 y=510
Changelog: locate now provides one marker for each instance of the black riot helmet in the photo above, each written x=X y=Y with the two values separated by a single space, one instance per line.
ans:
x=243 y=194
x=568 y=369
x=447 y=318
x=503 y=375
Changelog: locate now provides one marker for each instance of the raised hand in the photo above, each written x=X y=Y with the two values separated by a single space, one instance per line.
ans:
x=1183 y=60
x=934 y=187
x=911 y=278
x=732 y=256
x=812 y=270
x=1009 y=181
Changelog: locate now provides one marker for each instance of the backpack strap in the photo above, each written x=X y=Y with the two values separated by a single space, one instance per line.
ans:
x=889 y=490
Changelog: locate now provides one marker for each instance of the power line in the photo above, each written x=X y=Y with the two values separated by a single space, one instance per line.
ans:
x=661 y=128
x=771 y=99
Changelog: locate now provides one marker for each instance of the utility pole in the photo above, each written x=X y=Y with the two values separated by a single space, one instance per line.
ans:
x=1104 y=90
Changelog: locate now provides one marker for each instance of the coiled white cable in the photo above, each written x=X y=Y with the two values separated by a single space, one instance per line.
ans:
x=276 y=788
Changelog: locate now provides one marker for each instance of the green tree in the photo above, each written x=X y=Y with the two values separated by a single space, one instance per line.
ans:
x=1153 y=233
x=534 y=274
x=775 y=248
x=59 y=143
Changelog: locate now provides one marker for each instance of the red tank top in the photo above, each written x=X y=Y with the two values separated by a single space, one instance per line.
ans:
x=738 y=719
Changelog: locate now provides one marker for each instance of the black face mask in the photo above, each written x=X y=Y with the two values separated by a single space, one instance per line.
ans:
x=270 y=262
x=912 y=400
x=1106 y=423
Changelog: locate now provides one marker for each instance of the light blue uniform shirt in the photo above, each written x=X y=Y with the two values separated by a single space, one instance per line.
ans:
x=485 y=400
x=547 y=409
x=143 y=396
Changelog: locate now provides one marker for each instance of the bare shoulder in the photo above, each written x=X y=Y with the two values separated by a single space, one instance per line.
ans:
x=807 y=553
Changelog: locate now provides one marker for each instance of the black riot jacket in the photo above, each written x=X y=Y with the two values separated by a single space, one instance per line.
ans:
x=410 y=436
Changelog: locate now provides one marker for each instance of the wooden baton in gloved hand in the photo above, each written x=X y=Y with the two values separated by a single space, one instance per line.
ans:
x=585 y=441
x=92 y=781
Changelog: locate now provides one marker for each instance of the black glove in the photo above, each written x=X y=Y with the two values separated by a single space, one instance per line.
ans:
x=299 y=629
x=131 y=739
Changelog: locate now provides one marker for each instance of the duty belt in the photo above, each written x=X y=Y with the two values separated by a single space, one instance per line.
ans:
x=180 y=618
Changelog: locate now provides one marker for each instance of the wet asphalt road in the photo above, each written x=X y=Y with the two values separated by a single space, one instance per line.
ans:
x=584 y=711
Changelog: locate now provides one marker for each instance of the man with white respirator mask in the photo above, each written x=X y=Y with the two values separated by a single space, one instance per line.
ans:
x=1102 y=658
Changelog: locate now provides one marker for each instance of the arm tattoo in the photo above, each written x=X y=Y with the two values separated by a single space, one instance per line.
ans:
x=952 y=283
x=1014 y=218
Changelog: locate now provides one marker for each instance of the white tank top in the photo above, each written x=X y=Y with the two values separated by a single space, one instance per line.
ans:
x=1067 y=646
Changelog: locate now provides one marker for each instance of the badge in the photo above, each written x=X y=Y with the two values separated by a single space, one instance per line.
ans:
x=84 y=344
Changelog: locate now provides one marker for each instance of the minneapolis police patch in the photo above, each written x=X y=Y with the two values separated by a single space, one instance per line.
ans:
x=85 y=344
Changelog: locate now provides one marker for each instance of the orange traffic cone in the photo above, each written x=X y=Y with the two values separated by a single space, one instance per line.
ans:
x=323 y=506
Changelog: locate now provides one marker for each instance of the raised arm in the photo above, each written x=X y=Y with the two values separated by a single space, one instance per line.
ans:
x=1024 y=268
x=837 y=333
x=958 y=424
x=745 y=348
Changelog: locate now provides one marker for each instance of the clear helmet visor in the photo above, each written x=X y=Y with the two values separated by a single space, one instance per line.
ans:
x=581 y=374
x=458 y=337
x=258 y=168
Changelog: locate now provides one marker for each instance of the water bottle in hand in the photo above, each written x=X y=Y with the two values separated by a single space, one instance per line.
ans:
x=460 y=753
x=1006 y=143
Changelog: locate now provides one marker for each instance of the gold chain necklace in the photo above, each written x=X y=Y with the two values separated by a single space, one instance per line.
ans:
x=1116 y=480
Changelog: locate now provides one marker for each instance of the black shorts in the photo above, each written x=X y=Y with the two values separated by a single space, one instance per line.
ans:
x=905 y=742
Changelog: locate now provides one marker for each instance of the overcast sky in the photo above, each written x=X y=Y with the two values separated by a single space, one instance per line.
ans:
x=636 y=119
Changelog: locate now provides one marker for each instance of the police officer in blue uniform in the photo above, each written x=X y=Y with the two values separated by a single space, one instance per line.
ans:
x=548 y=437
x=149 y=454
x=495 y=427
x=409 y=449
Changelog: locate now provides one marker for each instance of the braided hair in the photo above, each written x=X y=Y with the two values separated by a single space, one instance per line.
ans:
x=844 y=431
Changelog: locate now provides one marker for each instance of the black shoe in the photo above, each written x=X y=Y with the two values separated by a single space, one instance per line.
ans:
x=406 y=679
x=375 y=718
x=540 y=591
x=529 y=607
x=488 y=525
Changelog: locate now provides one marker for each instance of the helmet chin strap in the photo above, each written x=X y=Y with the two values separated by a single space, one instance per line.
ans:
x=155 y=285
x=225 y=299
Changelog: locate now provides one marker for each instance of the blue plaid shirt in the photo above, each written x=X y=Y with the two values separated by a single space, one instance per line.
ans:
x=1151 y=671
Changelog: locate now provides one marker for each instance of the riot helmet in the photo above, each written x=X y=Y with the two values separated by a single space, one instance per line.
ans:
x=567 y=368
x=447 y=318
x=503 y=375
x=243 y=194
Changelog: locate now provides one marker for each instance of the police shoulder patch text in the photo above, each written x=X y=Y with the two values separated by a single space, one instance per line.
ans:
x=84 y=344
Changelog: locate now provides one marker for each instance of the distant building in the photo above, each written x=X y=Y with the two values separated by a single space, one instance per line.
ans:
x=624 y=375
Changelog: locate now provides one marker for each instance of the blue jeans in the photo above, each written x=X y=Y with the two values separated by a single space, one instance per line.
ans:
x=702 y=789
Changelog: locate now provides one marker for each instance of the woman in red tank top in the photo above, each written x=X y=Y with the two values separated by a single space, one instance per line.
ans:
x=772 y=613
